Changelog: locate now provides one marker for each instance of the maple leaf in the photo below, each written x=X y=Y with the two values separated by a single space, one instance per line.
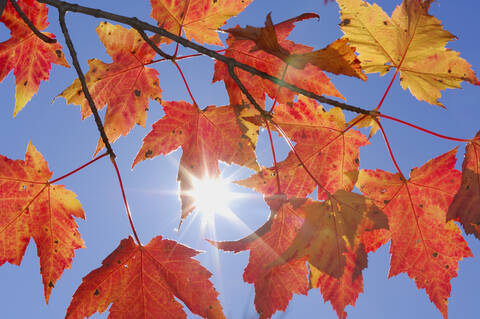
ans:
x=275 y=287
x=338 y=57
x=411 y=40
x=199 y=19
x=28 y=56
x=311 y=78
x=125 y=85
x=206 y=137
x=330 y=229
x=422 y=244
x=330 y=154
x=143 y=281
x=465 y=206
x=32 y=207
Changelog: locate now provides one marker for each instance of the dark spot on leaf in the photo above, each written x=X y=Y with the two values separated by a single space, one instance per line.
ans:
x=25 y=83
x=449 y=71
x=357 y=161
x=385 y=22
x=51 y=285
x=173 y=131
x=345 y=22
x=119 y=261
x=421 y=205
x=467 y=187
x=56 y=241
x=435 y=254
x=148 y=153
x=137 y=92
x=79 y=92
x=96 y=293
x=386 y=201
x=58 y=53
x=447 y=266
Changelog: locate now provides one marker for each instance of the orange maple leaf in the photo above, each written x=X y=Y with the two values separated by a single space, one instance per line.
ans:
x=206 y=137
x=275 y=287
x=32 y=207
x=143 y=281
x=311 y=78
x=330 y=154
x=28 y=56
x=125 y=85
x=411 y=40
x=465 y=206
x=199 y=19
x=423 y=245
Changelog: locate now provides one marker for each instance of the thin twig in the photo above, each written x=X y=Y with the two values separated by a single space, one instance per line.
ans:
x=127 y=208
x=30 y=24
x=78 y=169
x=137 y=24
x=81 y=77
x=154 y=46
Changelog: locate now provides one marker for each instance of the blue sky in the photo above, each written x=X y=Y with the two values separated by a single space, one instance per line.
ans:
x=56 y=129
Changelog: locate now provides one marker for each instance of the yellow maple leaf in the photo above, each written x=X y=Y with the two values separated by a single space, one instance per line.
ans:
x=411 y=40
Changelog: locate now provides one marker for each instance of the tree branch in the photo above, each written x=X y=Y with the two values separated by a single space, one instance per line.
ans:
x=137 y=24
x=30 y=24
x=154 y=46
x=81 y=77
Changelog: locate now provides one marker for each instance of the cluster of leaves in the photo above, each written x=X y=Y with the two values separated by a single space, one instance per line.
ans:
x=306 y=243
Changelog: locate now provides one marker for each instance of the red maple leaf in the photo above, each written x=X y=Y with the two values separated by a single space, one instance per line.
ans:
x=423 y=245
x=330 y=154
x=310 y=78
x=32 y=207
x=126 y=84
x=25 y=53
x=143 y=281
x=206 y=137
x=274 y=287
x=465 y=206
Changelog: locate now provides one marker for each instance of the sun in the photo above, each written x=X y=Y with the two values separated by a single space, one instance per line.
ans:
x=212 y=196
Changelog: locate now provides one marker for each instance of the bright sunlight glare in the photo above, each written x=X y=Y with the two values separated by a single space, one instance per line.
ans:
x=212 y=196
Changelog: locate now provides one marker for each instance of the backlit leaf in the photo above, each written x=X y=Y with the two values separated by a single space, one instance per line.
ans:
x=143 y=282
x=126 y=84
x=28 y=56
x=32 y=207
x=422 y=244
x=411 y=40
